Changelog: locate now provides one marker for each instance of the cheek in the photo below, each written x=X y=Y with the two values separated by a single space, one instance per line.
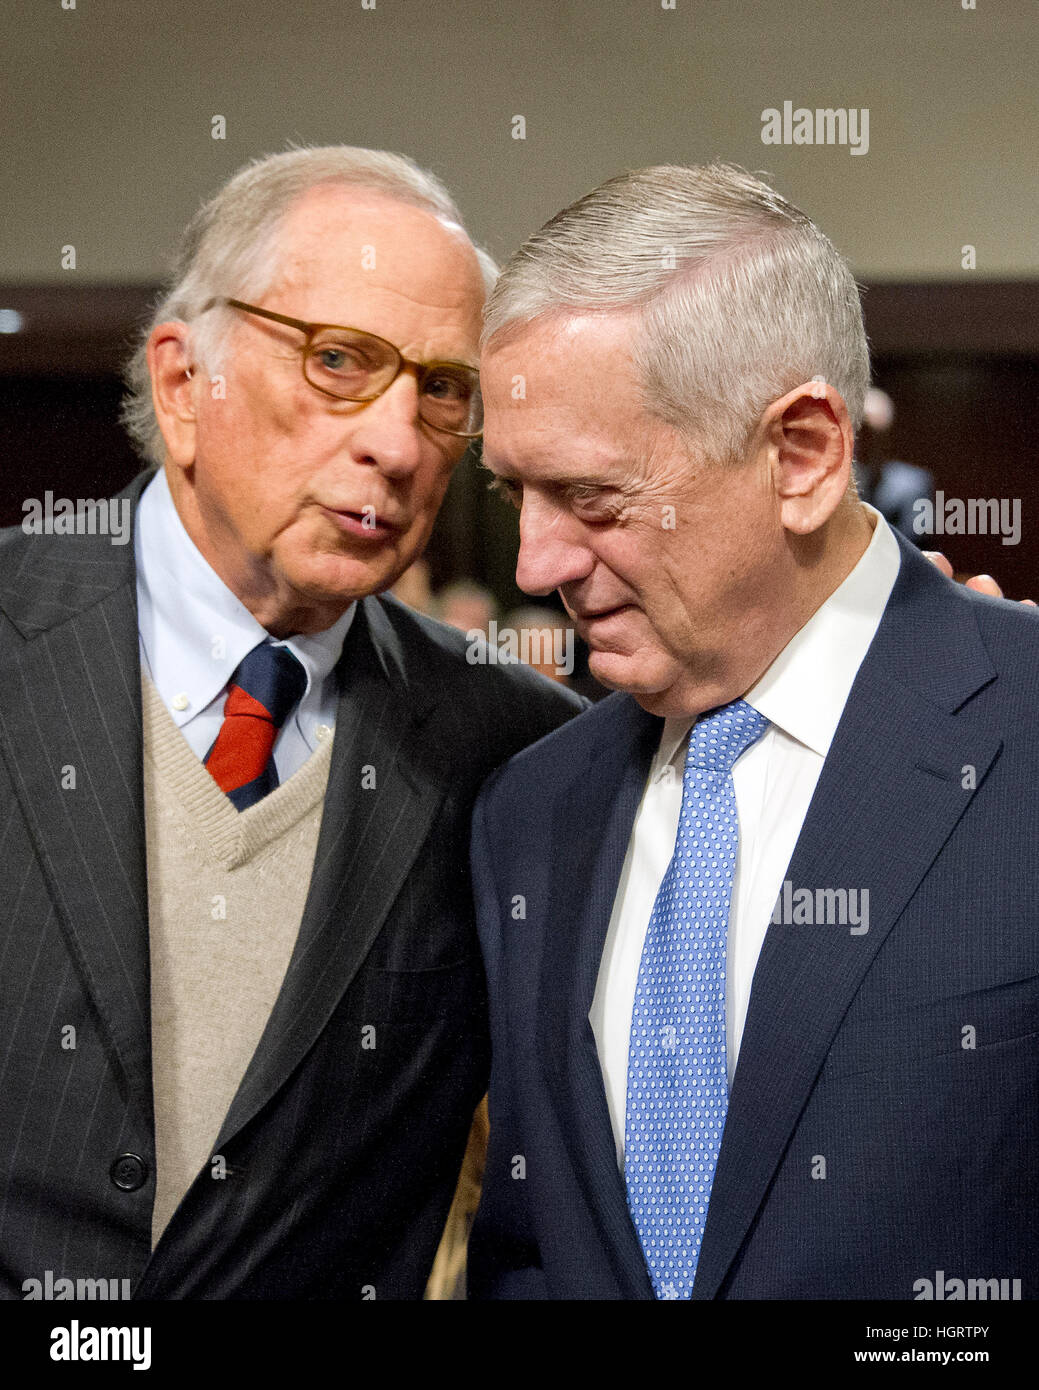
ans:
x=239 y=478
x=262 y=414
x=683 y=595
x=430 y=484
x=259 y=453
x=655 y=564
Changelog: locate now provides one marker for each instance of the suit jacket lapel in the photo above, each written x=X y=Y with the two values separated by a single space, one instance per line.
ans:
x=594 y=820
x=898 y=757
x=368 y=841
x=70 y=733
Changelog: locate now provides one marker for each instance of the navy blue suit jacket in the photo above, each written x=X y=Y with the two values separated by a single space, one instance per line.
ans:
x=907 y=1057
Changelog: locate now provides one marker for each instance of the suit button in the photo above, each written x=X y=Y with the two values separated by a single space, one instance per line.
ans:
x=129 y=1172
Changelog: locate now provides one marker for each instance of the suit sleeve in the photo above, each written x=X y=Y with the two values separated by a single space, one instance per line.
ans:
x=504 y=1260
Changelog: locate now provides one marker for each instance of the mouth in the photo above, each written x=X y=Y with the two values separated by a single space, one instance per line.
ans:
x=597 y=627
x=600 y=615
x=366 y=524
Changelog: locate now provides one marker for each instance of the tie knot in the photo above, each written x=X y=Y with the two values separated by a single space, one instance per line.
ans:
x=274 y=678
x=718 y=738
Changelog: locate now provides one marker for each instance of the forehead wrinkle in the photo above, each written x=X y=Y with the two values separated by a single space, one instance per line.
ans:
x=602 y=468
x=461 y=301
x=365 y=281
x=437 y=254
x=437 y=296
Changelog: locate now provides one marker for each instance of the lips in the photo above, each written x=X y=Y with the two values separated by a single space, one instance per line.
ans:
x=363 y=522
x=591 y=617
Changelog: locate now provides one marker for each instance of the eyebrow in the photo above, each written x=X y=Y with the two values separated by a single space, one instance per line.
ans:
x=578 y=480
x=556 y=486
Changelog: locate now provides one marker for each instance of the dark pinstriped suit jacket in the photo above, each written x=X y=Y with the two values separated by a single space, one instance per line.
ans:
x=341 y=1159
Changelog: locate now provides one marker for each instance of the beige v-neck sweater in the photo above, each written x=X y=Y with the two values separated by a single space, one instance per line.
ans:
x=226 y=892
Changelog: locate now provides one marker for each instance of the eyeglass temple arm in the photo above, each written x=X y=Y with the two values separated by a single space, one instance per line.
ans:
x=262 y=313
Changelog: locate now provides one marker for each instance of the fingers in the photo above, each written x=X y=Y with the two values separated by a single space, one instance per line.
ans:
x=938 y=559
x=985 y=584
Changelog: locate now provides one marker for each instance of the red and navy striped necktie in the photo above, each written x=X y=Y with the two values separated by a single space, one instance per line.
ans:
x=263 y=691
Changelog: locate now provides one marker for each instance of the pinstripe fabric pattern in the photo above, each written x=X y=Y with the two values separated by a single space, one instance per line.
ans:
x=341 y=1158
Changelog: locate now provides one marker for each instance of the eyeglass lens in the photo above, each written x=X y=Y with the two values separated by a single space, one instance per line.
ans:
x=359 y=367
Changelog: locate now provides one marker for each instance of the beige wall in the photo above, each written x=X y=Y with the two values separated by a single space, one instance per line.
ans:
x=106 y=113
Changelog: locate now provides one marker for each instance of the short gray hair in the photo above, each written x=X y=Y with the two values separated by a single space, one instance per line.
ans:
x=742 y=297
x=230 y=249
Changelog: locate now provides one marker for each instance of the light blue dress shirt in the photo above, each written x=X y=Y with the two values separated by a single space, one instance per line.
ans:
x=194 y=632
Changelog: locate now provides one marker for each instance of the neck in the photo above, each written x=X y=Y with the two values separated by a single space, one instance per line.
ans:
x=814 y=567
x=821 y=562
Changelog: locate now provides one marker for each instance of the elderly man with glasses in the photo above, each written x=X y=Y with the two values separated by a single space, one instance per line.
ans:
x=243 y=1028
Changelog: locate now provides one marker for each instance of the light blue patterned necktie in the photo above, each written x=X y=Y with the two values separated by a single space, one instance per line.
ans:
x=678 y=1091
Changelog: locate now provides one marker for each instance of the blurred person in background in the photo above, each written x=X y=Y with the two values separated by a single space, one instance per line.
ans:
x=544 y=639
x=466 y=605
x=414 y=588
x=888 y=484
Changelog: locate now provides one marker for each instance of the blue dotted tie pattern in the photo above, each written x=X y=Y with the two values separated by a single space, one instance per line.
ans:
x=678 y=1092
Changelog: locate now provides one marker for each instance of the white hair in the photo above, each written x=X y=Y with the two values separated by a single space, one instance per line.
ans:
x=230 y=249
x=740 y=296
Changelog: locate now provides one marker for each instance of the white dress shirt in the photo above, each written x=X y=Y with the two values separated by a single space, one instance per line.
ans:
x=194 y=632
x=802 y=694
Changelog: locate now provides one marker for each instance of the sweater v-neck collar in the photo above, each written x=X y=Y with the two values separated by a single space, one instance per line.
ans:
x=225 y=836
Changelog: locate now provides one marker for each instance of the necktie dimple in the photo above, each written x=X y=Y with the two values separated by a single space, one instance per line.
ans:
x=678 y=1093
x=264 y=688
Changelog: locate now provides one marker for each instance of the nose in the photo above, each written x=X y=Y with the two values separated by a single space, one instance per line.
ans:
x=387 y=431
x=552 y=550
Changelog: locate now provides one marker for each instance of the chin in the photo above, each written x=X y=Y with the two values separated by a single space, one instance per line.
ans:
x=340 y=579
x=626 y=672
x=660 y=687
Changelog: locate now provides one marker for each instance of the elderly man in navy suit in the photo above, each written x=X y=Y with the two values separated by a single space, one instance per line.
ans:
x=758 y=928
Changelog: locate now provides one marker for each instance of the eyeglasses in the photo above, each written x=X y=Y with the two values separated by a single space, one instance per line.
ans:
x=357 y=366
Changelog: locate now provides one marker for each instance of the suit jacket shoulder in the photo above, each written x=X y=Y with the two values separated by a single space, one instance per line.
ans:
x=605 y=735
x=45 y=580
x=505 y=707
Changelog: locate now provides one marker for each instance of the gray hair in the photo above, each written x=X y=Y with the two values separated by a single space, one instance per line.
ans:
x=230 y=249
x=742 y=297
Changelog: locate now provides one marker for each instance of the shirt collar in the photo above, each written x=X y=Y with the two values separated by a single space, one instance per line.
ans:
x=194 y=631
x=805 y=689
